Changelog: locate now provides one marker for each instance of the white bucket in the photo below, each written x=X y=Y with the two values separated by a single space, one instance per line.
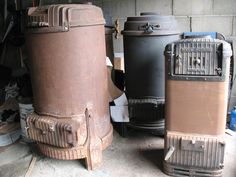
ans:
x=25 y=109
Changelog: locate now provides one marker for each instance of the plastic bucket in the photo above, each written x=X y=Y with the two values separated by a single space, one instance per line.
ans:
x=25 y=108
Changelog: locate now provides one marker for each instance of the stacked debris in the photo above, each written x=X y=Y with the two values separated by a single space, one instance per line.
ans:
x=9 y=117
x=13 y=93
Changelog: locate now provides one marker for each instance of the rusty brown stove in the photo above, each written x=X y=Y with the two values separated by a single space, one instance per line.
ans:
x=66 y=46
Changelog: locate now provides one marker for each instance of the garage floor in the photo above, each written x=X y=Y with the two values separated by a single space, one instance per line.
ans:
x=138 y=155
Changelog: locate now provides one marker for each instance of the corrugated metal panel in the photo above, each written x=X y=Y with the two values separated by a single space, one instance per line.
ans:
x=146 y=109
x=65 y=153
x=178 y=171
x=196 y=151
x=57 y=132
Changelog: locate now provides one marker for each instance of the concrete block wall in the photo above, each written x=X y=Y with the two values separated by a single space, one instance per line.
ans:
x=191 y=15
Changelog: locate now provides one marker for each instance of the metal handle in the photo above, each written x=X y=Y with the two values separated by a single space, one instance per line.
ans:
x=178 y=60
x=169 y=152
x=149 y=28
x=117 y=28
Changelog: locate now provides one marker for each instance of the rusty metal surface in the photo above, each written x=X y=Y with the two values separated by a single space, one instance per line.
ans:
x=78 y=152
x=57 y=86
x=69 y=80
x=60 y=18
x=64 y=132
x=194 y=155
x=195 y=150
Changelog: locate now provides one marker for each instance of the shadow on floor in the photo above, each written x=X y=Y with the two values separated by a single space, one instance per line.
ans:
x=155 y=156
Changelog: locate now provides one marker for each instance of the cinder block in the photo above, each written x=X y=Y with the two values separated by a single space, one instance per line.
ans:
x=45 y=2
x=224 y=7
x=183 y=23
x=221 y=24
x=192 y=7
x=119 y=9
x=231 y=38
x=164 y=7
x=234 y=26
x=94 y=2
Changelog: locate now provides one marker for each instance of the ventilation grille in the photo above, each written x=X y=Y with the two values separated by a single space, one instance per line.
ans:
x=173 y=170
x=195 y=151
x=147 y=109
x=198 y=58
x=62 y=133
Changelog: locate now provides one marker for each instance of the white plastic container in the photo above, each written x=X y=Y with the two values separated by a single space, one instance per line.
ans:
x=25 y=108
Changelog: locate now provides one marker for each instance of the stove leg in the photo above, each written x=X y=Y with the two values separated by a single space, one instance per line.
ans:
x=94 y=155
x=94 y=152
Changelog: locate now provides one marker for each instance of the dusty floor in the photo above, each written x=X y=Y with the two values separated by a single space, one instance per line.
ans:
x=138 y=155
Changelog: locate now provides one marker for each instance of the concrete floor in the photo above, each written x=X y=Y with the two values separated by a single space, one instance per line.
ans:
x=138 y=155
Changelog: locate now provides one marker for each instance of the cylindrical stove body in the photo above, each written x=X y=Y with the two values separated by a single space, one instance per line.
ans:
x=67 y=54
x=197 y=80
x=145 y=38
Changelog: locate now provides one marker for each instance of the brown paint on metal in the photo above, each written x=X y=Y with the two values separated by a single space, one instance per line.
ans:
x=65 y=78
x=64 y=133
x=196 y=107
x=69 y=80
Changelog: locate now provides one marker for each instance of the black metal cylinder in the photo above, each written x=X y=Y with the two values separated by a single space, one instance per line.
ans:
x=145 y=38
